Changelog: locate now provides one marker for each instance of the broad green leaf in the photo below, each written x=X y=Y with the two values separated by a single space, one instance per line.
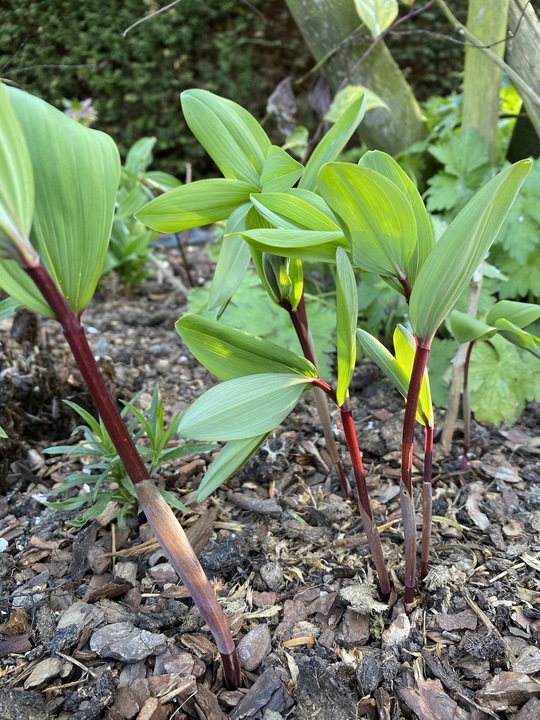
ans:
x=518 y=313
x=233 y=260
x=377 y=15
x=387 y=166
x=405 y=348
x=16 y=177
x=518 y=337
x=199 y=203
x=76 y=173
x=294 y=210
x=377 y=217
x=302 y=244
x=333 y=142
x=234 y=455
x=466 y=328
x=230 y=353
x=460 y=250
x=139 y=155
x=243 y=407
x=346 y=320
x=344 y=99
x=280 y=171
x=230 y=135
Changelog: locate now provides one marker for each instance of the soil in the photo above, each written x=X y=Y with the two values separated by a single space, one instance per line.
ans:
x=95 y=624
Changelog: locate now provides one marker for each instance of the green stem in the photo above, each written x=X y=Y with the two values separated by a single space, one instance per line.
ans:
x=168 y=530
x=427 y=500
x=407 y=447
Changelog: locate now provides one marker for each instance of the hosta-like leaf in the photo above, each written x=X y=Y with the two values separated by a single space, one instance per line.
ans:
x=76 y=172
x=280 y=171
x=230 y=353
x=460 y=250
x=333 y=142
x=234 y=455
x=347 y=317
x=243 y=407
x=518 y=313
x=387 y=166
x=466 y=328
x=377 y=15
x=230 y=135
x=199 y=203
x=377 y=217
x=16 y=176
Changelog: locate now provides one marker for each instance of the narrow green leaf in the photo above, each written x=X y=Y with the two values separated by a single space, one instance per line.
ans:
x=387 y=166
x=296 y=273
x=461 y=248
x=344 y=99
x=280 y=171
x=16 y=176
x=2 y=432
x=230 y=135
x=229 y=353
x=234 y=455
x=76 y=172
x=306 y=245
x=377 y=15
x=518 y=337
x=377 y=217
x=8 y=307
x=518 y=313
x=172 y=500
x=233 y=260
x=347 y=317
x=243 y=407
x=333 y=142
x=466 y=328
x=199 y=203
x=139 y=155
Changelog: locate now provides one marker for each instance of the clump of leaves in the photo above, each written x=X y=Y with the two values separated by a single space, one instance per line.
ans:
x=104 y=479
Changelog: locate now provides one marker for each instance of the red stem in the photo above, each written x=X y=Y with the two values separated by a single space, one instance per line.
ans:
x=427 y=498
x=407 y=448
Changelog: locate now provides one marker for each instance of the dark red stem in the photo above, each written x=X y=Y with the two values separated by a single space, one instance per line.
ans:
x=407 y=448
x=427 y=499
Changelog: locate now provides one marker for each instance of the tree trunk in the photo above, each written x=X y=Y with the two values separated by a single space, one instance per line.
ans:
x=329 y=28
x=523 y=52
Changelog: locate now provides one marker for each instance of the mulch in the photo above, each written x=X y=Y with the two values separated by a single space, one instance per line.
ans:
x=95 y=623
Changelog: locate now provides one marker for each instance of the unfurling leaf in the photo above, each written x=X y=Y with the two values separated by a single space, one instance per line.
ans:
x=347 y=317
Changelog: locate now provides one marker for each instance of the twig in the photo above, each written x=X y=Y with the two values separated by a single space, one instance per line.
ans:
x=148 y=17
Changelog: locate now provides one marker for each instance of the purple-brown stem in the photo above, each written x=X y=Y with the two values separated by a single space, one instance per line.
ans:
x=168 y=530
x=301 y=326
x=407 y=448
x=466 y=408
x=427 y=497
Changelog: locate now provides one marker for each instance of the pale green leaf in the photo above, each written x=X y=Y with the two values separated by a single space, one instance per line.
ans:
x=233 y=261
x=517 y=336
x=377 y=217
x=466 y=328
x=346 y=320
x=2 y=432
x=280 y=171
x=243 y=407
x=8 y=307
x=296 y=273
x=344 y=99
x=296 y=209
x=76 y=173
x=230 y=135
x=460 y=250
x=199 y=203
x=234 y=455
x=518 y=313
x=387 y=166
x=377 y=15
x=230 y=353
x=333 y=142
x=16 y=176
x=139 y=155
x=302 y=244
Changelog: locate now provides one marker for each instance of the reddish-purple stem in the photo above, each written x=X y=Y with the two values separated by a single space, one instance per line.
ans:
x=174 y=541
x=407 y=448
x=427 y=498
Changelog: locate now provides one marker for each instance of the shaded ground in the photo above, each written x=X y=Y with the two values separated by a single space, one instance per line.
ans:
x=95 y=624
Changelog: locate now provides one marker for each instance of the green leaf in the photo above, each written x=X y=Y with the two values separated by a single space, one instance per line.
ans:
x=8 y=307
x=344 y=99
x=230 y=135
x=280 y=171
x=243 y=407
x=377 y=15
x=333 y=142
x=302 y=244
x=2 y=432
x=76 y=172
x=378 y=219
x=466 y=328
x=460 y=250
x=159 y=181
x=346 y=320
x=230 y=353
x=199 y=203
x=16 y=176
x=518 y=313
x=387 y=166
x=172 y=500
x=295 y=210
x=139 y=155
x=233 y=260
x=518 y=337
x=234 y=455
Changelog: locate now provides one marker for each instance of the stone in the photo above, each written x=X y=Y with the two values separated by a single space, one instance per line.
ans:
x=530 y=711
x=354 y=628
x=153 y=710
x=44 y=671
x=254 y=647
x=509 y=688
x=528 y=662
x=123 y=641
x=272 y=574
